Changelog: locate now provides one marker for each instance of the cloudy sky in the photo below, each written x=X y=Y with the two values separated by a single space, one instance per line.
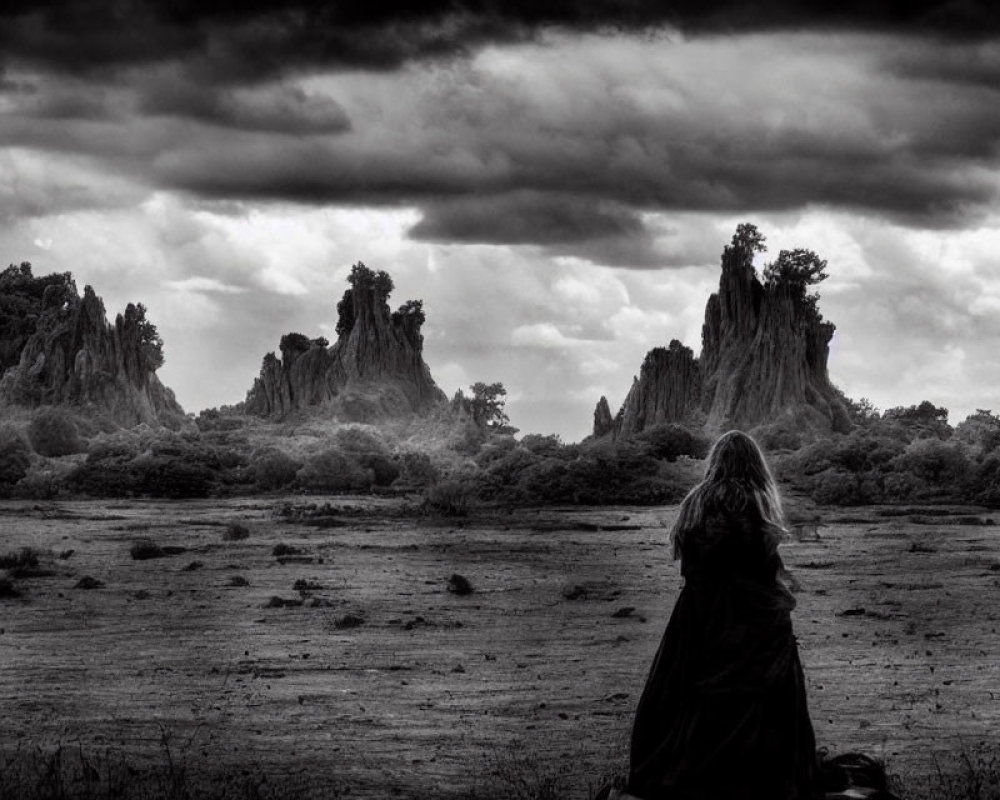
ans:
x=555 y=180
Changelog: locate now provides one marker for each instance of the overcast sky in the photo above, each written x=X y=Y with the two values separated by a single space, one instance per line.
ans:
x=556 y=185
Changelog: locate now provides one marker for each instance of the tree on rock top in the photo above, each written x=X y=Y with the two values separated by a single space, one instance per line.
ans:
x=361 y=279
x=796 y=270
x=748 y=239
x=149 y=339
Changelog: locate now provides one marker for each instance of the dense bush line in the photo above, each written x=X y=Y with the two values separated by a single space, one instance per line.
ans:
x=901 y=456
x=905 y=455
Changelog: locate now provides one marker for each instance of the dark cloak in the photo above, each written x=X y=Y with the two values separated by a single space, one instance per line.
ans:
x=723 y=715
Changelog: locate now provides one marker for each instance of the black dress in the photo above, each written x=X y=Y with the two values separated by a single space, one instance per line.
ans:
x=723 y=715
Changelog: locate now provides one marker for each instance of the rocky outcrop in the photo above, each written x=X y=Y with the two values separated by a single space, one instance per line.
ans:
x=70 y=355
x=375 y=369
x=765 y=351
x=763 y=359
x=668 y=389
x=603 y=421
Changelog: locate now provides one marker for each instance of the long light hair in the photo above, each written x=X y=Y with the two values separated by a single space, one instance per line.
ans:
x=737 y=480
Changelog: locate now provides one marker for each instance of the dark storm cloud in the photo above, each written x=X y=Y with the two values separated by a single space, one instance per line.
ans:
x=246 y=40
x=274 y=109
x=964 y=64
x=525 y=218
x=562 y=141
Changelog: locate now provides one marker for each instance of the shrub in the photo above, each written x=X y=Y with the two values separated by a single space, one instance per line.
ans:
x=281 y=602
x=143 y=549
x=670 y=441
x=541 y=445
x=53 y=433
x=497 y=448
x=274 y=469
x=370 y=452
x=980 y=430
x=281 y=549
x=606 y=472
x=778 y=436
x=459 y=584
x=983 y=485
x=449 y=497
x=467 y=438
x=939 y=463
x=108 y=471
x=174 y=478
x=236 y=532
x=903 y=487
x=334 y=471
x=25 y=558
x=15 y=456
x=836 y=487
x=417 y=469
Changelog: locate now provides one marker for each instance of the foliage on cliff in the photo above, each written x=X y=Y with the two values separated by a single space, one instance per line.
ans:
x=375 y=369
x=763 y=357
x=57 y=348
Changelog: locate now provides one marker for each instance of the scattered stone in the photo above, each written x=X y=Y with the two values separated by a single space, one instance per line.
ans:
x=591 y=590
x=459 y=584
x=281 y=602
x=623 y=612
x=143 y=549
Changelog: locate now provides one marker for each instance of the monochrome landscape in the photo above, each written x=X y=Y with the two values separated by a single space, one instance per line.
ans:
x=353 y=365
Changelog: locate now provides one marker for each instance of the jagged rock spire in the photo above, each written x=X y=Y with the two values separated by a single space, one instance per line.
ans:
x=374 y=369
x=764 y=354
x=68 y=354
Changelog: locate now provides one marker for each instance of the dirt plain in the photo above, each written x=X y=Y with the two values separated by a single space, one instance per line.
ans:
x=383 y=682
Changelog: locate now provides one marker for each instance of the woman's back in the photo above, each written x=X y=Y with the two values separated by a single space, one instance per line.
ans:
x=723 y=714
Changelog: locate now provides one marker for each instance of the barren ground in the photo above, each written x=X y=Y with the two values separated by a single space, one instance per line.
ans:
x=430 y=692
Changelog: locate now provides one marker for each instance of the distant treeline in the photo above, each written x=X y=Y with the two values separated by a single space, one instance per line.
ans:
x=902 y=455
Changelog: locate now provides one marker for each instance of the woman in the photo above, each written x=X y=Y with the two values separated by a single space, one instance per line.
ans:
x=723 y=715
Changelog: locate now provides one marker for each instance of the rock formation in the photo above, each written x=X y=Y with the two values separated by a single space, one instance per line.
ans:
x=57 y=348
x=375 y=368
x=763 y=358
x=603 y=422
x=668 y=389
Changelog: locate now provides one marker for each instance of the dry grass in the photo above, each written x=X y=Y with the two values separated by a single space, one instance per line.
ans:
x=69 y=772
